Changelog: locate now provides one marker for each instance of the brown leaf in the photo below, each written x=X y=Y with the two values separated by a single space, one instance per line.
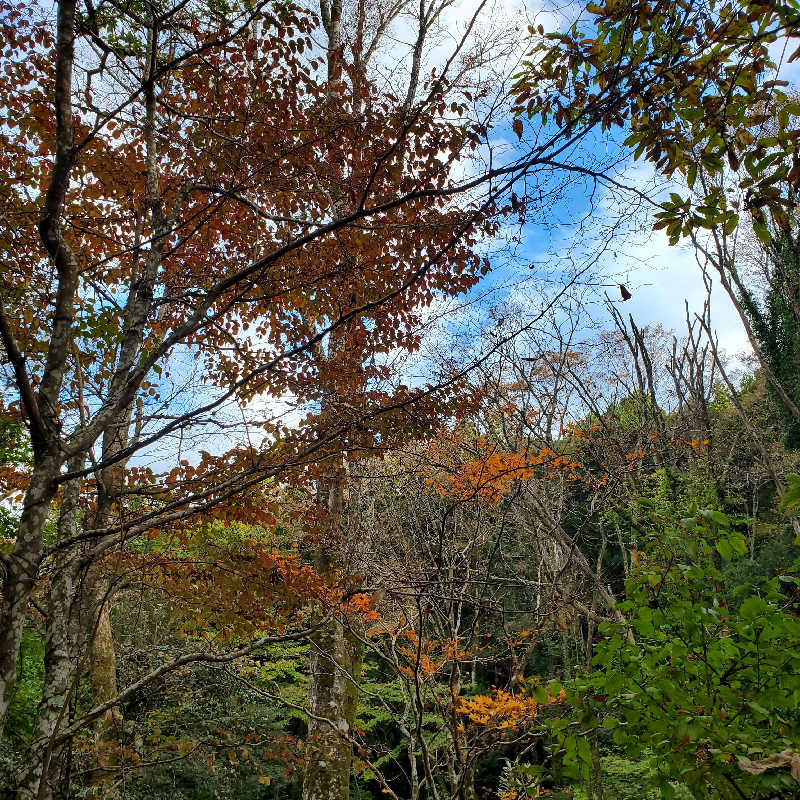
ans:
x=786 y=758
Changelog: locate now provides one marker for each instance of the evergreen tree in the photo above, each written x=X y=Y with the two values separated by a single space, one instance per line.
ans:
x=776 y=323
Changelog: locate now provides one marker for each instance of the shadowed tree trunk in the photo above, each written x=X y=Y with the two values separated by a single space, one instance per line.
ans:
x=335 y=672
x=594 y=787
x=77 y=617
x=42 y=408
x=99 y=590
x=38 y=777
x=104 y=666
x=103 y=655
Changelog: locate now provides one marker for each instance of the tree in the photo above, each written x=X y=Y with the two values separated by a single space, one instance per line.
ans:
x=134 y=244
x=216 y=218
x=693 y=88
x=691 y=84
x=636 y=464
x=776 y=321
x=699 y=663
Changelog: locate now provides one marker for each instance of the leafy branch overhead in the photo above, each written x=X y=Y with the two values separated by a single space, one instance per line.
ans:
x=690 y=84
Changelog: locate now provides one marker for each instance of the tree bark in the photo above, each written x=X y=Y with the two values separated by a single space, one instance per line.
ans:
x=77 y=616
x=22 y=566
x=22 y=570
x=335 y=670
x=103 y=655
x=595 y=786
x=39 y=775
x=104 y=665
x=336 y=656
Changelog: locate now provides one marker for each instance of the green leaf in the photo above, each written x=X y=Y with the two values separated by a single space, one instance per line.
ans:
x=791 y=497
x=731 y=223
x=539 y=694
x=691 y=175
x=762 y=232
x=759 y=709
x=720 y=518
x=724 y=549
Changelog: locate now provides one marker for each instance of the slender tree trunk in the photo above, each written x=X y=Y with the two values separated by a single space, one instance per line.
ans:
x=22 y=570
x=42 y=408
x=463 y=764
x=468 y=783
x=97 y=617
x=103 y=673
x=77 y=617
x=595 y=786
x=335 y=671
x=39 y=775
x=103 y=655
x=412 y=761
x=104 y=664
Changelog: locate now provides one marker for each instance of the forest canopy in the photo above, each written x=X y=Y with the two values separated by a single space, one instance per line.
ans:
x=333 y=465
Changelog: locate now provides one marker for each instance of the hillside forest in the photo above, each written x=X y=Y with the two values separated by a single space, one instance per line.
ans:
x=353 y=444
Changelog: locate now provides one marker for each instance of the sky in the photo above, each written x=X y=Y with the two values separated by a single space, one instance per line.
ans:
x=530 y=262
x=662 y=279
x=567 y=237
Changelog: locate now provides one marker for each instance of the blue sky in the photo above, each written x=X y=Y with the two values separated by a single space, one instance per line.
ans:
x=661 y=278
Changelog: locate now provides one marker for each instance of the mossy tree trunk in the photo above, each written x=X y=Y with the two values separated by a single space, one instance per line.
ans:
x=336 y=655
x=39 y=775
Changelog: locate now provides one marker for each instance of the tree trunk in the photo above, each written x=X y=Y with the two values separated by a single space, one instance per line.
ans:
x=104 y=665
x=336 y=656
x=335 y=670
x=467 y=782
x=103 y=655
x=39 y=775
x=594 y=789
x=22 y=570
x=103 y=671
x=42 y=409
